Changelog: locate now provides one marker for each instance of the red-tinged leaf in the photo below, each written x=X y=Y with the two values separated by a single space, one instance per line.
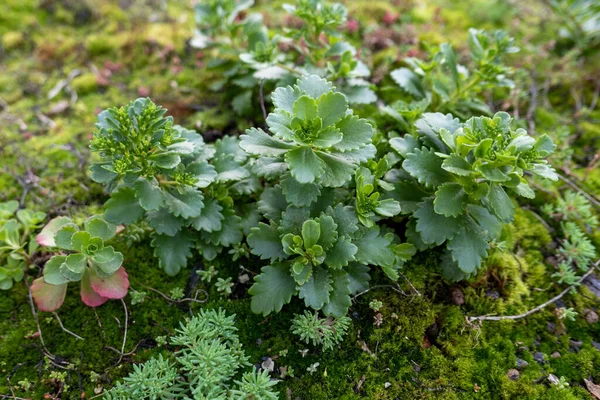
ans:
x=113 y=287
x=48 y=297
x=88 y=296
x=46 y=236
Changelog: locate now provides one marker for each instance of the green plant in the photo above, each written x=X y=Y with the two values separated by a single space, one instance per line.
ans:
x=326 y=332
x=442 y=84
x=166 y=175
x=16 y=243
x=455 y=182
x=208 y=358
x=83 y=257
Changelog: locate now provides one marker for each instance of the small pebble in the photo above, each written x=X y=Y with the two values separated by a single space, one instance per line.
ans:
x=521 y=363
x=590 y=316
x=551 y=326
x=513 y=374
x=575 y=344
x=596 y=345
x=492 y=294
x=387 y=385
x=539 y=357
x=556 y=354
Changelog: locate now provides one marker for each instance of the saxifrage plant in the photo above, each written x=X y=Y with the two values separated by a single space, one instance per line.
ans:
x=166 y=175
x=317 y=247
x=16 y=242
x=82 y=257
x=454 y=182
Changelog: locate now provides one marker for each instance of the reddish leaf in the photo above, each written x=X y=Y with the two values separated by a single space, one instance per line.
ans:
x=88 y=296
x=46 y=236
x=113 y=287
x=48 y=297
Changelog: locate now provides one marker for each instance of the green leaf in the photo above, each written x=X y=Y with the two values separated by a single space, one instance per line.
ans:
x=149 y=194
x=339 y=298
x=279 y=123
x=457 y=165
x=426 y=167
x=450 y=200
x=468 y=247
x=489 y=223
x=329 y=232
x=314 y=86
x=272 y=203
x=123 y=207
x=305 y=108
x=311 y=231
x=332 y=107
x=388 y=208
x=210 y=219
x=108 y=261
x=373 y=249
x=64 y=235
x=430 y=125
x=265 y=242
x=315 y=291
x=404 y=145
x=172 y=251
x=230 y=232
x=101 y=174
x=408 y=81
x=163 y=222
x=545 y=171
x=166 y=160
x=272 y=288
x=409 y=195
x=76 y=263
x=359 y=277
x=187 y=204
x=344 y=218
x=337 y=170
x=357 y=132
x=52 y=273
x=434 y=227
x=404 y=251
x=80 y=241
x=500 y=204
x=256 y=141
x=228 y=169
x=299 y=194
x=284 y=98
x=493 y=174
x=97 y=226
x=341 y=254
x=304 y=164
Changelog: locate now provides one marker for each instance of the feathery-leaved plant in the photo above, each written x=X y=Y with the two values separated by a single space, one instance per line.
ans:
x=208 y=358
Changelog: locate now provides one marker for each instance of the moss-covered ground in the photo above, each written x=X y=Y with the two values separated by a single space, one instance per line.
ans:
x=62 y=61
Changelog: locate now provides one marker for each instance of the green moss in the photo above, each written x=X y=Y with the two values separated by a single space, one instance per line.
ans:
x=85 y=83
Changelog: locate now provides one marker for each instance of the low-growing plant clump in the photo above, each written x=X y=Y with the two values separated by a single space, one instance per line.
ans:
x=380 y=204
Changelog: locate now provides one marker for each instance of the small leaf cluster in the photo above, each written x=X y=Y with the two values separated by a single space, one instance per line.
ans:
x=325 y=332
x=316 y=137
x=16 y=243
x=442 y=84
x=248 y=52
x=82 y=257
x=167 y=176
x=454 y=182
x=208 y=359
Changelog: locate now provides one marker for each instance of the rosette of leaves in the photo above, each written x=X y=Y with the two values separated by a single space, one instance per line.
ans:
x=320 y=253
x=82 y=257
x=16 y=244
x=370 y=206
x=454 y=183
x=167 y=176
x=445 y=85
x=324 y=50
x=315 y=136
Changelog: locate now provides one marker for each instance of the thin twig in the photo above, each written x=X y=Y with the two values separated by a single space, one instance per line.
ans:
x=538 y=308
x=193 y=300
x=591 y=198
x=410 y=284
x=125 y=333
x=262 y=100
x=65 y=329
x=394 y=288
x=125 y=354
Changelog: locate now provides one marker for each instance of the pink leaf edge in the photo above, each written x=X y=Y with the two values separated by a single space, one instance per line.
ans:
x=48 y=297
x=46 y=235
x=89 y=297
x=113 y=287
